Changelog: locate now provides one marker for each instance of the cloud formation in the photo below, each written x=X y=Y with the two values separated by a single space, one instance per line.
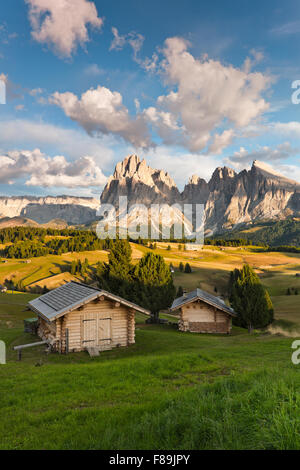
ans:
x=207 y=95
x=63 y=24
x=243 y=157
x=101 y=111
x=46 y=172
x=209 y=103
x=135 y=40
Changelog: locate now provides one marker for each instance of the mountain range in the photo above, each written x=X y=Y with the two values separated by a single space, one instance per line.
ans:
x=230 y=198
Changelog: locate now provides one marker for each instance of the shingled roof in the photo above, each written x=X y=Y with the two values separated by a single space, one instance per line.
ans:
x=71 y=296
x=206 y=297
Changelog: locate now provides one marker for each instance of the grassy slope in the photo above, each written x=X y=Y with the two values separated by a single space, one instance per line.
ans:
x=170 y=390
x=211 y=268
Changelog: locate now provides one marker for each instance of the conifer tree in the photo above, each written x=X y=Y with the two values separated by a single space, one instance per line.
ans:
x=116 y=275
x=155 y=288
x=179 y=292
x=187 y=268
x=250 y=299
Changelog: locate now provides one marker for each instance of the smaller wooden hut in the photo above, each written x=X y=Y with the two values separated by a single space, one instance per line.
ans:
x=201 y=312
x=77 y=317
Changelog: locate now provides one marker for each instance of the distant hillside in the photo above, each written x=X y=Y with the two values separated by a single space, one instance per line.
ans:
x=283 y=232
x=17 y=222
x=7 y=222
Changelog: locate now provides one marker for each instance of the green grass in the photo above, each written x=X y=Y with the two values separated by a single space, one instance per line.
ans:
x=170 y=390
x=211 y=267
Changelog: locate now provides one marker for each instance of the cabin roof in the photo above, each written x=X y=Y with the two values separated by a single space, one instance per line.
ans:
x=71 y=296
x=206 y=297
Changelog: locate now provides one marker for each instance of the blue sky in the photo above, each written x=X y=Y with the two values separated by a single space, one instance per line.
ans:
x=187 y=85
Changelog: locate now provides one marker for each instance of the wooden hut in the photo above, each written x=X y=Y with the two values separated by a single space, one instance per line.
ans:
x=201 y=312
x=77 y=317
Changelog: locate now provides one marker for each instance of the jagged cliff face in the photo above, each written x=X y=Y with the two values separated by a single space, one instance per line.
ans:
x=230 y=198
x=74 y=210
x=140 y=183
x=196 y=191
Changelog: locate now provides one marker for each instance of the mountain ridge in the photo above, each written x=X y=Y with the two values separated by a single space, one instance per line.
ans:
x=230 y=198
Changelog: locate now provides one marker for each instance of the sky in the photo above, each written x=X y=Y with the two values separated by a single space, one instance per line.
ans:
x=189 y=86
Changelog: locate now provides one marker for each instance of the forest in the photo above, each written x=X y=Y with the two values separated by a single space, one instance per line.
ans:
x=30 y=242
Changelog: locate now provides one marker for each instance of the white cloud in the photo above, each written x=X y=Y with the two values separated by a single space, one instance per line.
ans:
x=208 y=94
x=36 y=91
x=221 y=141
x=291 y=128
x=135 y=40
x=62 y=24
x=44 y=171
x=22 y=133
x=101 y=111
x=243 y=157
x=164 y=124
x=118 y=41
x=181 y=166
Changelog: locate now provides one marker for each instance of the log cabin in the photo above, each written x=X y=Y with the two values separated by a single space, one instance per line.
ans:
x=76 y=317
x=201 y=312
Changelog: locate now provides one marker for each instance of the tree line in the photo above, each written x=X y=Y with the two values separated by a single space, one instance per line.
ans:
x=85 y=241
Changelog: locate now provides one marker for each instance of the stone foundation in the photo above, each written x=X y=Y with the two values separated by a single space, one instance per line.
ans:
x=205 y=327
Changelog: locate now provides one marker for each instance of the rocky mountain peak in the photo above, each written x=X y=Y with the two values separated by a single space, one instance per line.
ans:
x=194 y=179
x=221 y=177
x=128 y=167
x=140 y=183
x=223 y=173
x=265 y=171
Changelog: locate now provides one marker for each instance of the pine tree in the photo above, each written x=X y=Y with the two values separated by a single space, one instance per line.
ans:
x=187 y=268
x=179 y=292
x=116 y=275
x=155 y=289
x=250 y=299
x=181 y=267
x=73 y=268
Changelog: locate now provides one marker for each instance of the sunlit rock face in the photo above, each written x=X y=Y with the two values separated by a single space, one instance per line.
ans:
x=140 y=183
x=230 y=198
x=74 y=210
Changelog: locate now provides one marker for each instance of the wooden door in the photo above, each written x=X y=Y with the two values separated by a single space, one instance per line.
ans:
x=104 y=332
x=89 y=332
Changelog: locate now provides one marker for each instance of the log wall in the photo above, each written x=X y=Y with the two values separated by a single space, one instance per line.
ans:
x=69 y=330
